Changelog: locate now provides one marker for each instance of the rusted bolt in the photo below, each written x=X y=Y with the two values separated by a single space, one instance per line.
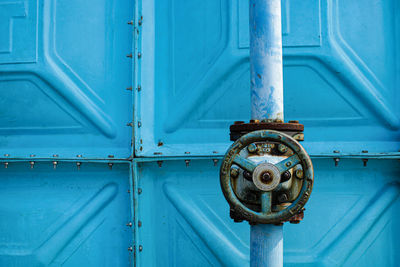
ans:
x=266 y=178
x=159 y=162
x=140 y=21
x=336 y=161
x=336 y=151
x=293 y=121
x=234 y=172
x=282 y=148
x=139 y=223
x=247 y=175
x=364 y=151
x=299 y=173
x=6 y=165
x=79 y=156
x=252 y=148
x=32 y=163
x=187 y=152
x=187 y=161
x=6 y=155
x=139 y=191
x=365 y=162
x=238 y=122
x=215 y=162
x=283 y=198
x=130 y=22
x=160 y=143
x=129 y=55
x=286 y=176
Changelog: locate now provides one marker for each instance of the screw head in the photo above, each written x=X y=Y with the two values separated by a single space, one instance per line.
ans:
x=286 y=176
x=266 y=177
x=299 y=173
x=234 y=172
x=252 y=148
x=282 y=148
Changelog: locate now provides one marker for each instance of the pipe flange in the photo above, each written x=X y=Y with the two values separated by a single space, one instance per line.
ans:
x=240 y=128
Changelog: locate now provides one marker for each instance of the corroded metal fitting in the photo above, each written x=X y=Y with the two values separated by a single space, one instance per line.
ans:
x=292 y=128
x=272 y=205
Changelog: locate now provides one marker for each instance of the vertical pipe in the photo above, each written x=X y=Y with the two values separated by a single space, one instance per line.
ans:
x=266 y=60
x=266 y=241
x=266 y=245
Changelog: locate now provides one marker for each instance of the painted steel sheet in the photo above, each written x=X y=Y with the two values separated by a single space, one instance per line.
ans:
x=341 y=74
x=65 y=217
x=64 y=71
x=63 y=78
x=350 y=220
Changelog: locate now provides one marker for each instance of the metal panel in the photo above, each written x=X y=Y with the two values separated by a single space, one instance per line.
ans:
x=65 y=216
x=63 y=75
x=350 y=220
x=64 y=71
x=340 y=74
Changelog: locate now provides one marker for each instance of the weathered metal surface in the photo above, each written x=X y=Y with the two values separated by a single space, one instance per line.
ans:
x=266 y=66
x=189 y=86
x=65 y=217
x=195 y=79
x=293 y=128
x=351 y=218
x=266 y=245
x=63 y=74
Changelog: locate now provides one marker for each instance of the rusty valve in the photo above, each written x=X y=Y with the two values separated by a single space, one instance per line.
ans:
x=266 y=177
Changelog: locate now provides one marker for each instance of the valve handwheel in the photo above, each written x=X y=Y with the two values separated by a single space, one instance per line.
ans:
x=266 y=177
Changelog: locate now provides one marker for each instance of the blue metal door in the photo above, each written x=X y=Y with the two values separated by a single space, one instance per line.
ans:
x=341 y=75
x=64 y=108
x=75 y=176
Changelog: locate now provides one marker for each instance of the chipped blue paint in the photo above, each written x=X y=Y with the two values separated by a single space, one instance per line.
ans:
x=266 y=69
x=266 y=79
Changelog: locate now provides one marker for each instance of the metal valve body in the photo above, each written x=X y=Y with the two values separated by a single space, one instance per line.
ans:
x=266 y=177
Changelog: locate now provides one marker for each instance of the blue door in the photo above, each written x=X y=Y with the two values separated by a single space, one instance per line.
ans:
x=341 y=79
x=64 y=108
x=114 y=117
